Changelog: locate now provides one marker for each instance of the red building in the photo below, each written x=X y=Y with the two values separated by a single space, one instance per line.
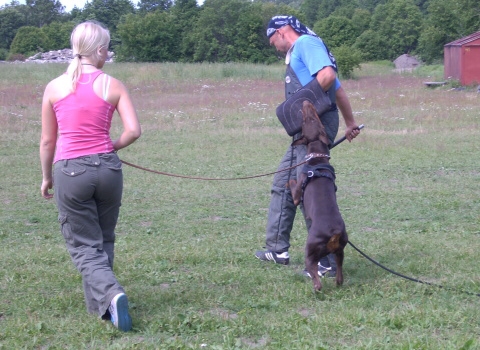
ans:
x=462 y=59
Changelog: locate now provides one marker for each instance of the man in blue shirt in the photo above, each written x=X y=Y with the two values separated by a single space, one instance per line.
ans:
x=307 y=58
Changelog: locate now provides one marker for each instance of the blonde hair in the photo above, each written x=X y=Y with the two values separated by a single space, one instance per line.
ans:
x=86 y=38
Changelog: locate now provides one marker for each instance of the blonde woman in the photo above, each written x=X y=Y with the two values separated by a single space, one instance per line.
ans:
x=80 y=162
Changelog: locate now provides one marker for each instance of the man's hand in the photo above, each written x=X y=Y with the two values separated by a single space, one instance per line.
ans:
x=351 y=132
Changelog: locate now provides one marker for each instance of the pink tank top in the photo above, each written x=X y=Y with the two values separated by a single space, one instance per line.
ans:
x=84 y=121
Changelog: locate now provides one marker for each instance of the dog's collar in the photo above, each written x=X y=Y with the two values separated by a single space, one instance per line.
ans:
x=316 y=155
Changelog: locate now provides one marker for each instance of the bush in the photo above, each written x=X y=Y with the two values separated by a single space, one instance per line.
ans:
x=57 y=35
x=16 y=57
x=28 y=41
x=371 y=46
x=3 y=54
x=148 y=38
x=336 y=31
x=347 y=60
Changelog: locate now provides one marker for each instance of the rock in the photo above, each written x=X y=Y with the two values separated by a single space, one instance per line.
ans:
x=64 y=55
x=406 y=63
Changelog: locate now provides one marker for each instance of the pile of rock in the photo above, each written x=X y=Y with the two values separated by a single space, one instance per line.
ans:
x=64 y=55
x=407 y=63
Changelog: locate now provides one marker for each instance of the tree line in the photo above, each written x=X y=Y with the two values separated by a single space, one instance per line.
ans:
x=234 y=30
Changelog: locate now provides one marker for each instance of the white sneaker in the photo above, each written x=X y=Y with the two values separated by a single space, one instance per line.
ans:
x=119 y=312
x=323 y=271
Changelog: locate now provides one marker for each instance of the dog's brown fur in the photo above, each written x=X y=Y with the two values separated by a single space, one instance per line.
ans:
x=327 y=233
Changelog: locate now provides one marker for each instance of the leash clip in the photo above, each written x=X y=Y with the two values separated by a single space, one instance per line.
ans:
x=310 y=173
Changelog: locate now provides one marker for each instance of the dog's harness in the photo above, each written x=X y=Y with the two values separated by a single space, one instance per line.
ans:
x=319 y=170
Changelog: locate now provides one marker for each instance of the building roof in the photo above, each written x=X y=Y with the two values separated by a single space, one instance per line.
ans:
x=465 y=40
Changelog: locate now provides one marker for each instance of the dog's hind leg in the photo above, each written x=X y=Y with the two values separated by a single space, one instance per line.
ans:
x=335 y=246
x=314 y=250
x=312 y=268
x=339 y=260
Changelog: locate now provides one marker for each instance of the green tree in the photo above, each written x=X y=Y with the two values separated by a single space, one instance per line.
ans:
x=316 y=10
x=370 y=5
x=446 y=21
x=471 y=11
x=326 y=8
x=148 y=38
x=43 y=12
x=12 y=3
x=310 y=9
x=108 y=12
x=336 y=31
x=439 y=27
x=145 y=6
x=249 y=42
x=3 y=54
x=422 y=5
x=76 y=15
x=10 y=21
x=27 y=41
x=371 y=45
x=361 y=20
x=346 y=8
x=398 y=23
x=186 y=13
x=57 y=35
x=430 y=44
x=234 y=30
x=216 y=29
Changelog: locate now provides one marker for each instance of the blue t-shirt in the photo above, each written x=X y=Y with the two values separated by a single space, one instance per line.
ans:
x=309 y=55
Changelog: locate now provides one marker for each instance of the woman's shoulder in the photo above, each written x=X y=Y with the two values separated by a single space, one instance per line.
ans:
x=60 y=80
x=115 y=83
x=58 y=83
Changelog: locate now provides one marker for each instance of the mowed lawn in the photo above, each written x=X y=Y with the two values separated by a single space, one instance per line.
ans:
x=408 y=189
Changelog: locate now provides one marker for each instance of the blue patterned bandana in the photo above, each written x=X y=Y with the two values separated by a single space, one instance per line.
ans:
x=279 y=21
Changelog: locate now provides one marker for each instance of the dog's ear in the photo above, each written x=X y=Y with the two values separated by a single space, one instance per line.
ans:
x=300 y=141
x=324 y=138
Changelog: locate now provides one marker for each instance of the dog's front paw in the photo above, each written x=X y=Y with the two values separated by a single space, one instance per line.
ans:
x=296 y=192
x=292 y=184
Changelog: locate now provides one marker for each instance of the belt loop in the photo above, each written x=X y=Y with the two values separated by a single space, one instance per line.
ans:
x=95 y=159
x=65 y=162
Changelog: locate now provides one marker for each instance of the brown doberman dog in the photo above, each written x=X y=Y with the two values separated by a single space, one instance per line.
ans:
x=327 y=233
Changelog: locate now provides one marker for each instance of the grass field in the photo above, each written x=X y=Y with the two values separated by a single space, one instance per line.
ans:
x=408 y=189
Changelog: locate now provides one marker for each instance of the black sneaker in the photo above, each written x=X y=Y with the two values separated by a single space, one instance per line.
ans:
x=277 y=258
x=323 y=271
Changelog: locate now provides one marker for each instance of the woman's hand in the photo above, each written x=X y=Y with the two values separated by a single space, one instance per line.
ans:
x=46 y=185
